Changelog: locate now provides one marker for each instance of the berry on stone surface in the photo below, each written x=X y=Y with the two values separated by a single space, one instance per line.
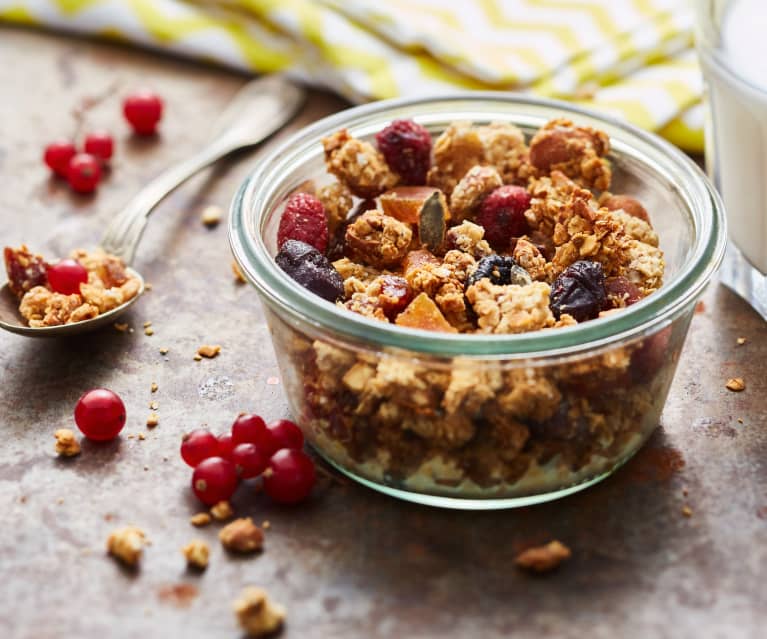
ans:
x=57 y=156
x=286 y=434
x=225 y=445
x=311 y=269
x=143 y=110
x=251 y=429
x=304 y=220
x=290 y=476
x=214 y=479
x=100 y=414
x=83 y=173
x=249 y=461
x=65 y=276
x=579 y=291
x=502 y=214
x=99 y=144
x=500 y=270
x=197 y=446
x=406 y=147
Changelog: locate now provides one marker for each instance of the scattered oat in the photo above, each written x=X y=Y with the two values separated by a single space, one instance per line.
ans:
x=196 y=553
x=741 y=340
x=238 y=276
x=153 y=405
x=736 y=384
x=200 y=519
x=141 y=436
x=687 y=511
x=256 y=614
x=740 y=420
x=149 y=331
x=66 y=443
x=543 y=558
x=121 y=327
x=242 y=536
x=197 y=358
x=154 y=387
x=211 y=215
x=147 y=324
x=152 y=420
x=209 y=350
x=126 y=544
x=148 y=286
x=222 y=511
x=131 y=436
x=164 y=350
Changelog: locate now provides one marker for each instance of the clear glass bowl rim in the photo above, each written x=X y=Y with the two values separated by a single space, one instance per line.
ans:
x=277 y=289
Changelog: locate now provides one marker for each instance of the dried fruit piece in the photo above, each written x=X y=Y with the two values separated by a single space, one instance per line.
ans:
x=304 y=220
x=620 y=292
x=394 y=294
x=579 y=291
x=423 y=313
x=543 y=558
x=418 y=259
x=500 y=270
x=405 y=202
x=25 y=270
x=502 y=214
x=256 y=614
x=311 y=269
x=406 y=146
x=432 y=221
x=242 y=536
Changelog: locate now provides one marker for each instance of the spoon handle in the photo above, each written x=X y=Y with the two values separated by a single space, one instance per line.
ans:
x=258 y=110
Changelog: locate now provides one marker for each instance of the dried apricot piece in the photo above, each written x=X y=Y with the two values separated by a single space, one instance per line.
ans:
x=423 y=313
x=404 y=202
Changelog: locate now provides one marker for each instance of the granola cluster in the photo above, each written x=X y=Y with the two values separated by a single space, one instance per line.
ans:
x=108 y=286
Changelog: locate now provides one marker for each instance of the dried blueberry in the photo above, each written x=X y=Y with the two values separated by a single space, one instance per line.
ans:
x=499 y=269
x=311 y=269
x=579 y=291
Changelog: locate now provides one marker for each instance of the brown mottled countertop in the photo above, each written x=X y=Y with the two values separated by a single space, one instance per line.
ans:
x=350 y=563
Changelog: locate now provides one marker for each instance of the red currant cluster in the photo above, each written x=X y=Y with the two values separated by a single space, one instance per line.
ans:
x=250 y=450
x=82 y=169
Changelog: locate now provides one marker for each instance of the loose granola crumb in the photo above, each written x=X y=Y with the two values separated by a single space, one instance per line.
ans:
x=740 y=420
x=197 y=358
x=153 y=405
x=196 y=553
x=164 y=350
x=211 y=215
x=126 y=544
x=200 y=519
x=152 y=420
x=687 y=511
x=153 y=388
x=741 y=341
x=147 y=324
x=222 y=511
x=209 y=350
x=735 y=384
x=120 y=326
x=66 y=443
x=149 y=331
x=266 y=525
x=257 y=615
x=148 y=286
x=238 y=276
x=141 y=436
x=242 y=536
x=543 y=558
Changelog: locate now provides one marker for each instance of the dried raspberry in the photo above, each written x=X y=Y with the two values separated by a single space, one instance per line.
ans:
x=406 y=146
x=502 y=213
x=25 y=270
x=304 y=220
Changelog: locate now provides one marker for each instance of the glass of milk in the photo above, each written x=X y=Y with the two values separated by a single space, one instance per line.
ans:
x=732 y=44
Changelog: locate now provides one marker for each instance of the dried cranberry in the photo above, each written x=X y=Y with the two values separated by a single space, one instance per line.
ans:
x=304 y=220
x=395 y=295
x=579 y=291
x=499 y=269
x=25 y=270
x=311 y=269
x=502 y=214
x=620 y=292
x=406 y=146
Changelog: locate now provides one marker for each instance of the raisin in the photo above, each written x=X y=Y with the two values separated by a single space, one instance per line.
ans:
x=304 y=220
x=406 y=146
x=311 y=269
x=499 y=269
x=579 y=291
x=25 y=270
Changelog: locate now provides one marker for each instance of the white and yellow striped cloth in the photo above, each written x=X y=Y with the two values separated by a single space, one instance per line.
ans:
x=633 y=58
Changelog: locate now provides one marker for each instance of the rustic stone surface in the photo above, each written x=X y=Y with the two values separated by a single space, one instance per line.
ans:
x=350 y=563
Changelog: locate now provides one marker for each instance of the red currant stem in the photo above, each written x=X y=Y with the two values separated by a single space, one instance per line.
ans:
x=89 y=102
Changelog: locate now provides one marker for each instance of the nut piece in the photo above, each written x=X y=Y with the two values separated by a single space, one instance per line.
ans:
x=242 y=536
x=222 y=511
x=66 y=443
x=196 y=553
x=211 y=215
x=736 y=384
x=200 y=519
x=126 y=544
x=543 y=558
x=257 y=615
x=209 y=350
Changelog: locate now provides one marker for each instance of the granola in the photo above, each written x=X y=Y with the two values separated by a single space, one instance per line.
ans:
x=126 y=544
x=256 y=614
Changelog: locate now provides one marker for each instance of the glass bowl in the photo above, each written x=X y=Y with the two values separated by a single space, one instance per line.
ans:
x=481 y=421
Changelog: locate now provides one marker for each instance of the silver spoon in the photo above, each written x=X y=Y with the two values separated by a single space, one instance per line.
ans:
x=259 y=109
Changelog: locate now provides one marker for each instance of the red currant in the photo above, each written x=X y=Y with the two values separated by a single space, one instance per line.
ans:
x=251 y=429
x=198 y=445
x=65 y=276
x=214 y=480
x=248 y=460
x=143 y=109
x=84 y=173
x=225 y=445
x=57 y=156
x=100 y=145
x=286 y=434
x=290 y=476
x=100 y=414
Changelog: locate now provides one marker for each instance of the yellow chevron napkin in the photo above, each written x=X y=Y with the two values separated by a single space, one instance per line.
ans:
x=632 y=58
